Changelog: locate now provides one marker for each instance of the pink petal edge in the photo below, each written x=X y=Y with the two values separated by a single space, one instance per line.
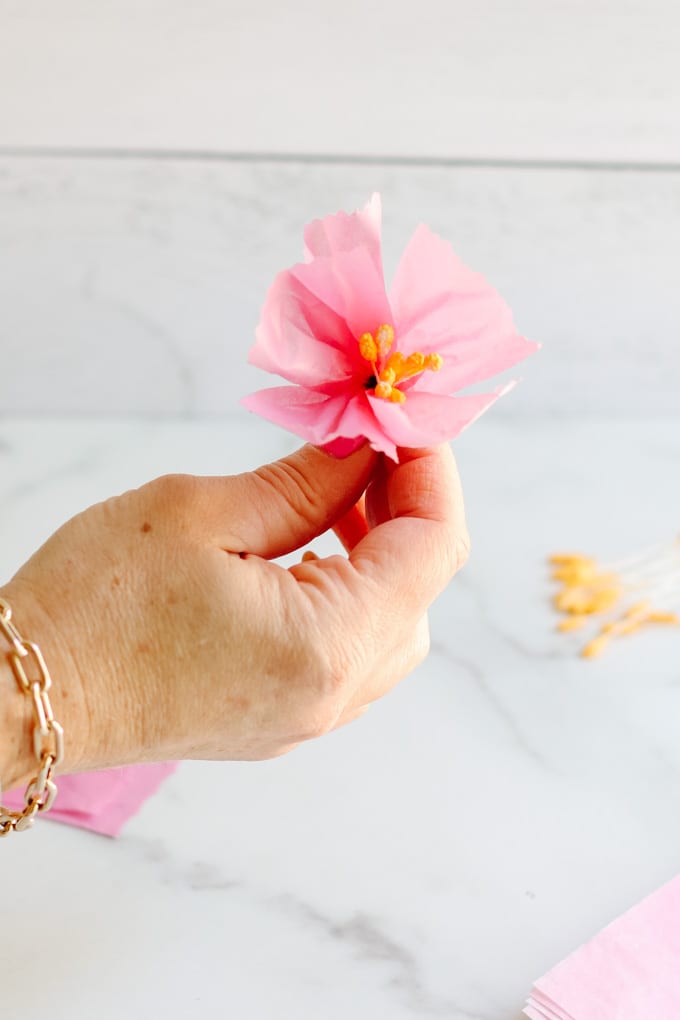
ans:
x=442 y=305
x=334 y=423
x=350 y=285
x=344 y=231
x=426 y=419
x=301 y=338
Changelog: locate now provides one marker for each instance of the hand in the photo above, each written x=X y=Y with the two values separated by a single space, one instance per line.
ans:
x=170 y=634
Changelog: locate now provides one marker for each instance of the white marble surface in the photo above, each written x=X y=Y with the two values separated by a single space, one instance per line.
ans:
x=429 y=861
x=135 y=285
x=570 y=78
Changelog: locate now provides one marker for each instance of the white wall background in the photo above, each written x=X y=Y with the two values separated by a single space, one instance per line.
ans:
x=159 y=159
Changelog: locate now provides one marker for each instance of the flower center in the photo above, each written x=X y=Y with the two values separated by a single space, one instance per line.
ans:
x=391 y=369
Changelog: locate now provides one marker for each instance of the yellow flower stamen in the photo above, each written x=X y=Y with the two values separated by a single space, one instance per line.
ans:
x=396 y=362
x=384 y=338
x=368 y=347
x=390 y=369
x=434 y=362
x=415 y=363
x=595 y=647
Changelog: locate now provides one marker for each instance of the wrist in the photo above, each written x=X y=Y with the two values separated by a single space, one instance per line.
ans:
x=18 y=762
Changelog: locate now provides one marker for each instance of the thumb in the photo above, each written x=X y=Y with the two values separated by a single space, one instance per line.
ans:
x=282 y=506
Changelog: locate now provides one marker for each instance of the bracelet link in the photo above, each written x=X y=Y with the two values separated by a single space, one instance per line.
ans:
x=49 y=743
x=11 y=634
x=48 y=734
x=29 y=650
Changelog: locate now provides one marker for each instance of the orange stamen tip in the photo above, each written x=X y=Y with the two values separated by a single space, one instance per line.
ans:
x=368 y=347
x=595 y=647
x=572 y=623
x=661 y=617
x=384 y=390
x=605 y=599
x=574 y=572
x=397 y=397
x=396 y=362
x=574 y=600
x=388 y=375
x=434 y=362
x=560 y=559
x=415 y=362
x=384 y=337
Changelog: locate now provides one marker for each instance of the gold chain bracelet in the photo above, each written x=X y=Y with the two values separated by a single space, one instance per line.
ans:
x=48 y=735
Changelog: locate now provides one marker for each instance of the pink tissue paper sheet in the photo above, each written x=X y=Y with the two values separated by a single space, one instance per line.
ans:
x=102 y=801
x=630 y=971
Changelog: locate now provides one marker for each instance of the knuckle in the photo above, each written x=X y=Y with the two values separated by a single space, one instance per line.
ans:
x=460 y=550
x=421 y=644
x=318 y=725
x=326 y=690
x=176 y=494
x=287 y=479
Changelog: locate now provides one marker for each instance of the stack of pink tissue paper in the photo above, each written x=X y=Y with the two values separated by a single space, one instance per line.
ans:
x=630 y=971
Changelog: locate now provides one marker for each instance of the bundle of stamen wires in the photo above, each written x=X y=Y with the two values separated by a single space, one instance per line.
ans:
x=618 y=598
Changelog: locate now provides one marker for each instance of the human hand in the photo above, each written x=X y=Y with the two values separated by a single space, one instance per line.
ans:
x=170 y=634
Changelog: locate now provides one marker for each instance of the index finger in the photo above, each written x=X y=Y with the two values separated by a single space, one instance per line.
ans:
x=411 y=557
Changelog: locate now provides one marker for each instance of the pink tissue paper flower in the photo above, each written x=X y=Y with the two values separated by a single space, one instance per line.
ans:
x=371 y=366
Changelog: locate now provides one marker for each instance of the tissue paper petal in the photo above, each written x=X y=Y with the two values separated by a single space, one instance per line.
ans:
x=352 y=286
x=301 y=338
x=344 y=231
x=338 y=425
x=430 y=418
x=441 y=305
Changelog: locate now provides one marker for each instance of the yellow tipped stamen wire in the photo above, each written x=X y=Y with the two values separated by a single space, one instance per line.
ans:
x=575 y=572
x=595 y=647
x=588 y=591
x=390 y=369
x=565 y=559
